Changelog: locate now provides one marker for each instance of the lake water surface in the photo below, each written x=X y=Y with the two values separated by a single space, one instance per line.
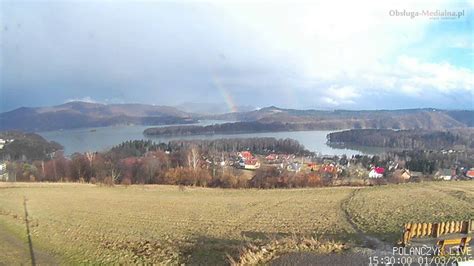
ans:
x=103 y=138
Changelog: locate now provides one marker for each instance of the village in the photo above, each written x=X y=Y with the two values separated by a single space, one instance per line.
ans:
x=340 y=167
x=234 y=163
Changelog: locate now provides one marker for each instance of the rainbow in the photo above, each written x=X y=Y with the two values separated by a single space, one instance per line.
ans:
x=225 y=94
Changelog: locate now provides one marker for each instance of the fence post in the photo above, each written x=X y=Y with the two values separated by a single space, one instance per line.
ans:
x=430 y=229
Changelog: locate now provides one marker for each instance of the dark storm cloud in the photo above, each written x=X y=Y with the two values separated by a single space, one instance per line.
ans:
x=148 y=52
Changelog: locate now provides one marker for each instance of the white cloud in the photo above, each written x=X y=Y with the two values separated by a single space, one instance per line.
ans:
x=86 y=99
x=407 y=76
x=442 y=77
x=410 y=90
x=462 y=42
x=413 y=76
x=354 y=48
x=328 y=38
x=329 y=101
x=342 y=95
x=338 y=96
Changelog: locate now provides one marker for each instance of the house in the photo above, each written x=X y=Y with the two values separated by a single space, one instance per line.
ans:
x=313 y=166
x=271 y=157
x=4 y=142
x=294 y=167
x=3 y=172
x=246 y=155
x=404 y=174
x=328 y=168
x=251 y=164
x=376 y=172
x=445 y=174
x=329 y=171
x=470 y=173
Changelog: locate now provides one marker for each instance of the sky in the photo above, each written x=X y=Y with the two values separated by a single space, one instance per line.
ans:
x=291 y=54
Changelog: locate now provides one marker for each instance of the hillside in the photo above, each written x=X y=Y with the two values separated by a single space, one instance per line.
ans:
x=405 y=139
x=26 y=146
x=273 y=119
x=242 y=128
x=83 y=114
x=210 y=108
x=337 y=119
x=88 y=224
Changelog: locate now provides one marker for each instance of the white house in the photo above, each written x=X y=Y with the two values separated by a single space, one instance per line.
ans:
x=373 y=174
x=445 y=174
x=3 y=172
x=376 y=172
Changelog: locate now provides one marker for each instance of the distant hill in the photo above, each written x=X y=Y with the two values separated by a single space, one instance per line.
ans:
x=463 y=116
x=405 y=139
x=344 y=119
x=26 y=146
x=211 y=108
x=83 y=114
x=274 y=119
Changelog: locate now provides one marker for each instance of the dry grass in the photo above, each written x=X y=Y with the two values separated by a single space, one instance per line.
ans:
x=382 y=211
x=255 y=254
x=100 y=224
x=163 y=224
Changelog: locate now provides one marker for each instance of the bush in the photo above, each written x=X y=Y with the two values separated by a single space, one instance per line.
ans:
x=108 y=181
x=187 y=176
x=126 y=182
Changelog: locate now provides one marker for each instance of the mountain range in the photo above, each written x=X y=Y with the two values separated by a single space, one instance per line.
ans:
x=211 y=108
x=83 y=114
x=344 y=119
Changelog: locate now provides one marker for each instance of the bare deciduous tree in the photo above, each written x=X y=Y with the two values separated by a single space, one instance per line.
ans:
x=193 y=157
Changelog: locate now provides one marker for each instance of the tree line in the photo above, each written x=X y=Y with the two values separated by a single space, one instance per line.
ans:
x=255 y=145
x=146 y=162
x=198 y=163
x=405 y=139
x=26 y=146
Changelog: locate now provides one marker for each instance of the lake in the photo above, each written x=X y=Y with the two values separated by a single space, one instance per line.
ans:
x=103 y=138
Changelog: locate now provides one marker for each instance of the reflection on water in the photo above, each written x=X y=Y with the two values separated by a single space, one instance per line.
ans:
x=103 y=138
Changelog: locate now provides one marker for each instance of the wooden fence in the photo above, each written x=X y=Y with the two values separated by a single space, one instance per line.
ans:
x=417 y=230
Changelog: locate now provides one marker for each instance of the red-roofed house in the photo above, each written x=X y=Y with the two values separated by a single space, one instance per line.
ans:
x=271 y=157
x=246 y=155
x=379 y=170
x=470 y=173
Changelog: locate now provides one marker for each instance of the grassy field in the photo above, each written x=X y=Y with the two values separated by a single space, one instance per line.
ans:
x=87 y=223
x=380 y=211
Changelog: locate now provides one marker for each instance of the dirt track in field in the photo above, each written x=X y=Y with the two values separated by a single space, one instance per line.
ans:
x=14 y=251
